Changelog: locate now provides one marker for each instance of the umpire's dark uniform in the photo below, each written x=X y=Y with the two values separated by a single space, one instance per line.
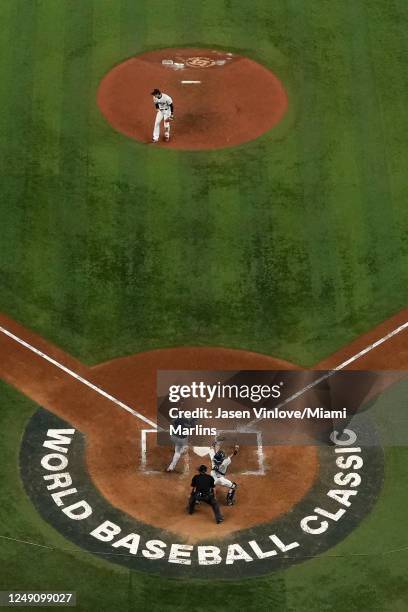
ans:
x=203 y=490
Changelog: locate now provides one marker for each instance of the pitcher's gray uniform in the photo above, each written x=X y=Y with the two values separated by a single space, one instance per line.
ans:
x=164 y=104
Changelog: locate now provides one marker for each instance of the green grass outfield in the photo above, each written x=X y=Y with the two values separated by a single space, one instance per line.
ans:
x=290 y=245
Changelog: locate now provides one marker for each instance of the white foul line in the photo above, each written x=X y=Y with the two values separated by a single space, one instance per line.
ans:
x=343 y=365
x=77 y=377
x=137 y=414
x=190 y=82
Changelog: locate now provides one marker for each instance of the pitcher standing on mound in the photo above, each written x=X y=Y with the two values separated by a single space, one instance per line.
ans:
x=165 y=110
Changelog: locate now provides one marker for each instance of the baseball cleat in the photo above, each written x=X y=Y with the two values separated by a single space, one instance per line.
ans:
x=154 y=141
x=220 y=520
x=169 y=470
x=166 y=137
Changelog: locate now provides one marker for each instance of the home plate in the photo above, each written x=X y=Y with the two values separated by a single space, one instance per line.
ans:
x=201 y=451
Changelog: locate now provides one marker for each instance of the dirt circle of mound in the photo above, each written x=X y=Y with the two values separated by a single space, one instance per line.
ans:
x=159 y=499
x=221 y=99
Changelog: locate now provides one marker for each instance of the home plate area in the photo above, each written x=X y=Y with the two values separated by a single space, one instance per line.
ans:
x=154 y=458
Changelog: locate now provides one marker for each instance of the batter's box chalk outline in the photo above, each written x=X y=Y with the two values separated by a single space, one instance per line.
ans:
x=143 y=454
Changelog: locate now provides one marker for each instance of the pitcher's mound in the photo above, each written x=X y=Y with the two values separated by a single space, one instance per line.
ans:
x=220 y=99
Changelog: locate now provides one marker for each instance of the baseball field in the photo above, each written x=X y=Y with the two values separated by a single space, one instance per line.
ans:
x=269 y=233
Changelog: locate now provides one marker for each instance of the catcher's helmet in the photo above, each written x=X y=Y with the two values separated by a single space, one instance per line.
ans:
x=219 y=456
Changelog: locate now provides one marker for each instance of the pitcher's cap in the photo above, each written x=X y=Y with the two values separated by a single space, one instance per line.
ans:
x=155 y=92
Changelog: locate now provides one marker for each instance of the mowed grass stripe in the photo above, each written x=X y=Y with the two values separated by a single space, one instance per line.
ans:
x=48 y=55
x=272 y=190
x=6 y=72
x=316 y=261
x=360 y=139
x=252 y=174
x=389 y=54
x=11 y=225
x=229 y=174
x=45 y=205
x=218 y=175
x=335 y=301
x=22 y=26
x=77 y=65
x=106 y=53
x=44 y=295
x=372 y=164
x=17 y=271
x=43 y=247
x=271 y=193
x=205 y=223
x=74 y=216
x=101 y=264
x=338 y=194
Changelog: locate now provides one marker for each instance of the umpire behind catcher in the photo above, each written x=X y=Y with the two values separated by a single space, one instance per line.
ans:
x=203 y=490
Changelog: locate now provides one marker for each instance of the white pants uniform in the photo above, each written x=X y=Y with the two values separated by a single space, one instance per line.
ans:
x=180 y=447
x=221 y=480
x=160 y=116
